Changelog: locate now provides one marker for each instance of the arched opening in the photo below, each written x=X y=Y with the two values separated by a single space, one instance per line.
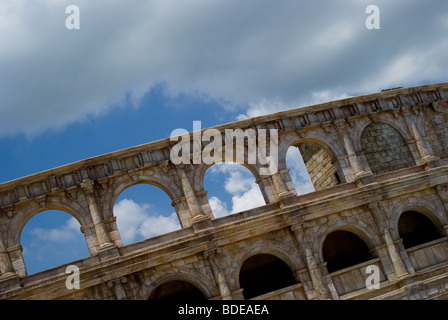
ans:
x=385 y=149
x=343 y=249
x=319 y=164
x=52 y=238
x=298 y=171
x=177 y=290
x=263 y=273
x=144 y=211
x=231 y=188
x=415 y=229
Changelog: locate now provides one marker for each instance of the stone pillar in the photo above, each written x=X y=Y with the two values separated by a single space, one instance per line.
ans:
x=315 y=272
x=303 y=276
x=279 y=185
x=425 y=155
x=359 y=174
x=6 y=270
x=442 y=191
x=100 y=230
x=219 y=276
x=267 y=189
x=377 y=209
x=117 y=286
x=193 y=203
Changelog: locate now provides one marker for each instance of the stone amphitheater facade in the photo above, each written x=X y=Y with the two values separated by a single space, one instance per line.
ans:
x=379 y=165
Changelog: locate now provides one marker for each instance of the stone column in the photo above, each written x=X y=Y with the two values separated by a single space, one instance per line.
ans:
x=314 y=270
x=100 y=230
x=377 y=209
x=442 y=191
x=6 y=270
x=303 y=276
x=422 y=148
x=359 y=173
x=193 y=203
x=353 y=159
x=219 y=276
x=117 y=286
x=279 y=184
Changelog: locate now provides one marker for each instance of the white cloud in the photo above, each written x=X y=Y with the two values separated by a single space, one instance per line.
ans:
x=65 y=233
x=139 y=221
x=219 y=208
x=326 y=95
x=157 y=225
x=250 y=198
x=245 y=193
x=256 y=55
x=265 y=106
x=240 y=184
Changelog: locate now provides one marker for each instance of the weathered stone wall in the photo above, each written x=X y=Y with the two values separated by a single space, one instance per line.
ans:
x=319 y=166
x=385 y=149
x=436 y=130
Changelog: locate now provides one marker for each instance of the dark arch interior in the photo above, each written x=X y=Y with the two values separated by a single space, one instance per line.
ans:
x=264 y=273
x=177 y=290
x=415 y=228
x=343 y=249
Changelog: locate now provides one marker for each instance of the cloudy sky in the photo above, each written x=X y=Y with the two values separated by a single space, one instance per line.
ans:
x=136 y=70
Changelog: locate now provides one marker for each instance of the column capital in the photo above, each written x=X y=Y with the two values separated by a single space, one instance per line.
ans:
x=117 y=286
x=212 y=252
x=340 y=124
x=87 y=186
x=111 y=283
x=405 y=110
x=376 y=205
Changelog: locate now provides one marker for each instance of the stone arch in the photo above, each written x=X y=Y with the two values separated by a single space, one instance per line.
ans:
x=296 y=179
x=342 y=249
x=262 y=273
x=21 y=218
x=431 y=209
x=177 y=290
x=416 y=228
x=386 y=118
x=290 y=257
x=325 y=139
x=24 y=215
x=192 y=278
x=200 y=171
x=385 y=148
x=199 y=177
x=294 y=140
x=124 y=182
x=143 y=211
x=50 y=239
x=320 y=160
x=365 y=232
